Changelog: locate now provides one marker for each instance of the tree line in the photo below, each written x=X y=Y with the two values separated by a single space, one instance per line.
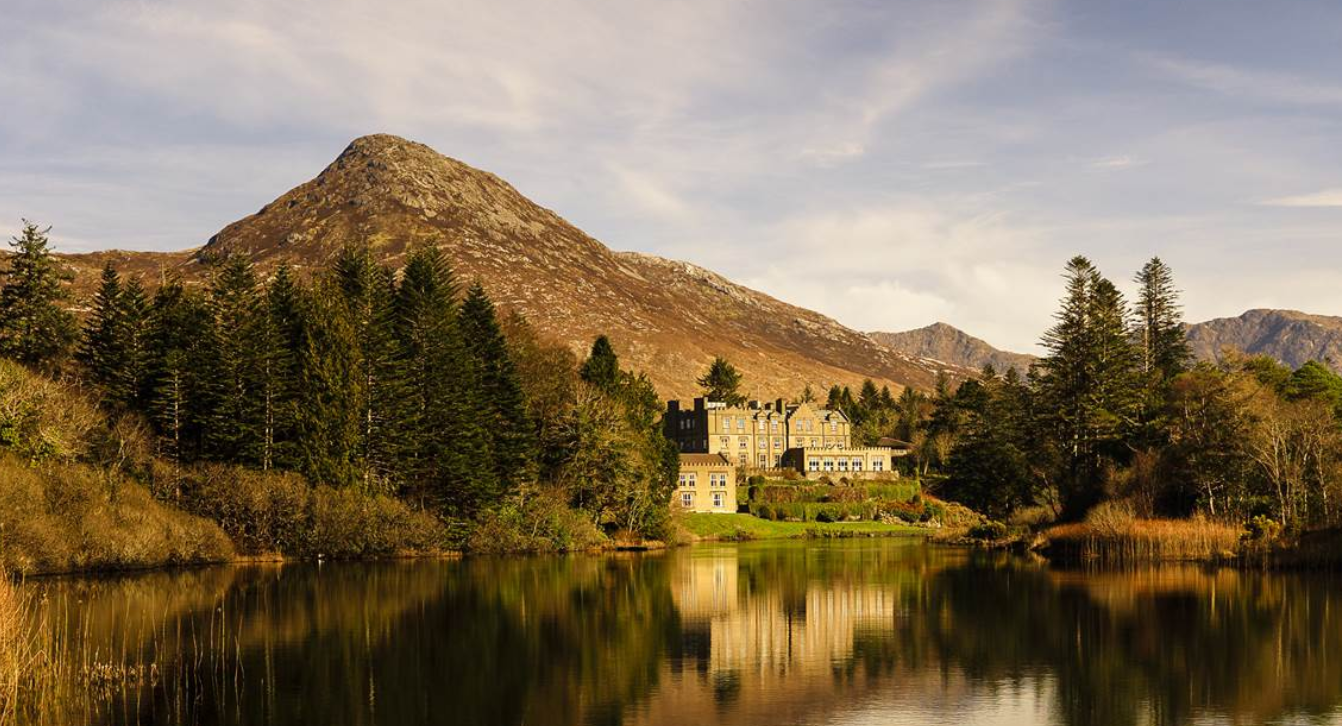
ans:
x=1118 y=409
x=392 y=381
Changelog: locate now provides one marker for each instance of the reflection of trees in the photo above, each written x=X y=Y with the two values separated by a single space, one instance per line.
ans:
x=538 y=641
x=1161 y=646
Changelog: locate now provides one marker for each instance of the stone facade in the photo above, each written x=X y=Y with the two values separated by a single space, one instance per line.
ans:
x=756 y=435
x=865 y=462
x=707 y=483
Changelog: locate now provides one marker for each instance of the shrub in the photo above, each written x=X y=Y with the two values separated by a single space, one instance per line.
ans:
x=988 y=530
x=1111 y=518
x=534 y=520
x=824 y=515
x=270 y=512
x=1261 y=529
x=765 y=512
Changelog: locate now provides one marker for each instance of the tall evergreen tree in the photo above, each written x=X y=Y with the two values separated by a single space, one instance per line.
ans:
x=181 y=385
x=34 y=328
x=602 y=367
x=101 y=350
x=448 y=442
x=722 y=382
x=237 y=425
x=503 y=406
x=1159 y=323
x=1087 y=381
x=368 y=292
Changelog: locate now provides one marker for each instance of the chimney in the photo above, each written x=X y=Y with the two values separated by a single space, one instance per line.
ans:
x=699 y=403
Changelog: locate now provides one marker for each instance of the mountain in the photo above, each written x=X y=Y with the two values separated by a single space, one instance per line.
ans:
x=1290 y=336
x=950 y=345
x=665 y=317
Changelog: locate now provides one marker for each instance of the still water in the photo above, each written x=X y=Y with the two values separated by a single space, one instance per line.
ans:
x=839 y=632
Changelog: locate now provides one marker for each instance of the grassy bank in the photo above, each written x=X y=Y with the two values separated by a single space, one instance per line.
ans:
x=744 y=526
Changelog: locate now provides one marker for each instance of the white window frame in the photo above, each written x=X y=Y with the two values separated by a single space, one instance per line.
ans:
x=687 y=500
x=719 y=500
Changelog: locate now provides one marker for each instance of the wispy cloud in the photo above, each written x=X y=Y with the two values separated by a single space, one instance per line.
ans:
x=1324 y=198
x=1240 y=82
x=1118 y=162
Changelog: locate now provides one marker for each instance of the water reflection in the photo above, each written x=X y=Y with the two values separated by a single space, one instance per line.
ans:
x=879 y=631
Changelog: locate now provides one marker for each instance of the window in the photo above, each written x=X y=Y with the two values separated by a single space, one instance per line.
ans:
x=742 y=459
x=778 y=461
x=742 y=443
x=764 y=458
x=877 y=464
x=762 y=425
x=687 y=499
x=726 y=442
x=687 y=480
x=775 y=426
x=815 y=441
x=778 y=441
x=857 y=464
x=719 y=500
x=741 y=424
x=833 y=427
x=843 y=463
x=813 y=464
x=829 y=464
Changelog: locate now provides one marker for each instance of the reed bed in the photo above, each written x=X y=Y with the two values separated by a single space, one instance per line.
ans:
x=57 y=668
x=1144 y=540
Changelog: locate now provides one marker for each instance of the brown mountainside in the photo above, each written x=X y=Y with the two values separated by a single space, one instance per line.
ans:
x=950 y=345
x=665 y=317
x=1289 y=336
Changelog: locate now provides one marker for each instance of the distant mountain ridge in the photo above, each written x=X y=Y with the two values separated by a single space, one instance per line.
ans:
x=1290 y=336
x=664 y=317
x=953 y=347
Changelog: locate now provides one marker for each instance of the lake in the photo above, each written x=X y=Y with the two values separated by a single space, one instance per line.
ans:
x=880 y=631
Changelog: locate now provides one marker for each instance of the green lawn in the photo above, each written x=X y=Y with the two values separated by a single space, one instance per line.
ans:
x=744 y=526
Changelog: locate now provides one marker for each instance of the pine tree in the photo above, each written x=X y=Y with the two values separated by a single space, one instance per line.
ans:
x=34 y=328
x=722 y=382
x=327 y=413
x=448 y=443
x=1087 y=381
x=602 y=367
x=236 y=428
x=181 y=375
x=1162 y=346
x=101 y=348
x=1159 y=323
x=368 y=292
x=135 y=316
x=502 y=402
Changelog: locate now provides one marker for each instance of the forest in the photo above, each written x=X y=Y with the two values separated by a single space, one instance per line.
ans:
x=269 y=406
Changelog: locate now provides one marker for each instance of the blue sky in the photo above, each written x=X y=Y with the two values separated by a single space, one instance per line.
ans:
x=888 y=163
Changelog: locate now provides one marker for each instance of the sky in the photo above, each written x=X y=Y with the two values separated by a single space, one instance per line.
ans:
x=889 y=163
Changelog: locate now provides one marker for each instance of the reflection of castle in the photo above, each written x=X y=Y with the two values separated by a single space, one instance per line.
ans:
x=775 y=631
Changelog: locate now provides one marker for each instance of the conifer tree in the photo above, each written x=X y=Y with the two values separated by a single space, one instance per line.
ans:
x=181 y=386
x=327 y=413
x=448 y=446
x=100 y=349
x=34 y=328
x=1159 y=323
x=236 y=428
x=722 y=382
x=135 y=316
x=502 y=406
x=368 y=292
x=602 y=367
x=1087 y=380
